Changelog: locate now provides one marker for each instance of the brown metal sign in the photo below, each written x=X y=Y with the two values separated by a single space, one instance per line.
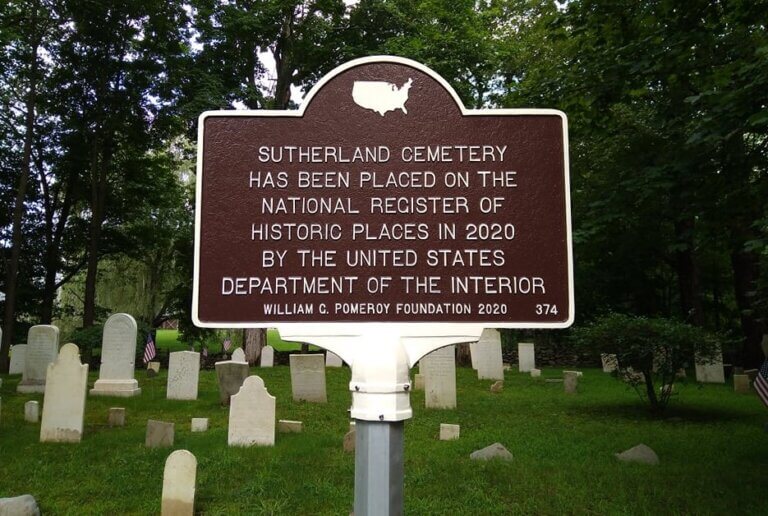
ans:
x=383 y=200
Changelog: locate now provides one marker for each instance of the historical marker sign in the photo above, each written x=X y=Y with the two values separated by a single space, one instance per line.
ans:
x=383 y=200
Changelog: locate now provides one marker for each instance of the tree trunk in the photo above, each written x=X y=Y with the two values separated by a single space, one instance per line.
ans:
x=254 y=339
x=283 y=64
x=746 y=272
x=99 y=169
x=688 y=274
x=12 y=266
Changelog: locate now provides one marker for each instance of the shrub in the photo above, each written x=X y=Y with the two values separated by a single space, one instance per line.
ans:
x=649 y=351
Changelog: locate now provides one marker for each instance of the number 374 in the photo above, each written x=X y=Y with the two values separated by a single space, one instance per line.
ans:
x=546 y=309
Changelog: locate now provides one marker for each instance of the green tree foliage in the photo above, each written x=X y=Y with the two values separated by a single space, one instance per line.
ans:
x=649 y=351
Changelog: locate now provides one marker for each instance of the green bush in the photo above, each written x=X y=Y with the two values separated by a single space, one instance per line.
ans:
x=87 y=339
x=649 y=351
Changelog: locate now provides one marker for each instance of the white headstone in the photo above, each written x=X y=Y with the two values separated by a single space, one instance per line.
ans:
x=473 y=354
x=32 y=411
x=238 y=355
x=199 y=424
x=711 y=372
x=333 y=360
x=42 y=349
x=267 y=356
x=179 y=480
x=449 y=432
x=439 y=370
x=64 y=401
x=526 y=357
x=252 y=415
x=487 y=352
x=308 y=378
x=118 y=358
x=610 y=362
x=18 y=357
x=183 y=375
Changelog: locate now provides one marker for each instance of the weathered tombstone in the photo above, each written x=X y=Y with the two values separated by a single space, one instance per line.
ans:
x=238 y=355
x=711 y=372
x=116 y=416
x=18 y=357
x=252 y=415
x=494 y=451
x=308 y=378
x=153 y=366
x=488 y=361
x=118 y=357
x=640 y=453
x=418 y=382
x=449 y=432
x=741 y=383
x=199 y=424
x=535 y=373
x=159 y=434
x=66 y=387
x=439 y=370
x=267 y=356
x=24 y=505
x=333 y=360
x=610 y=362
x=570 y=381
x=32 y=411
x=497 y=387
x=42 y=349
x=230 y=376
x=526 y=357
x=183 y=375
x=179 y=478
x=290 y=427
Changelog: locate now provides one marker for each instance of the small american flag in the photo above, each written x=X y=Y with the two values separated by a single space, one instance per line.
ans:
x=149 y=349
x=761 y=382
x=227 y=344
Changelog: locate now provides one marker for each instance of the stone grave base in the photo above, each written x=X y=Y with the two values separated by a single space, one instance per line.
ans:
x=30 y=387
x=118 y=388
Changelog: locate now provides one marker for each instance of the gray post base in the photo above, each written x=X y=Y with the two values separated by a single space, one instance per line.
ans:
x=379 y=470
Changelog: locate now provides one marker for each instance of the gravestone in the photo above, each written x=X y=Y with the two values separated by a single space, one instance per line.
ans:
x=252 y=415
x=308 y=378
x=66 y=387
x=449 y=432
x=118 y=357
x=571 y=381
x=116 y=416
x=333 y=360
x=711 y=372
x=230 y=376
x=492 y=452
x=159 y=434
x=42 y=349
x=290 y=427
x=18 y=357
x=741 y=383
x=439 y=370
x=526 y=357
x=32 y=411
x=418 y=382
x=640 y=453
x=610 y=362
x=153 y=366
x=535 y=373
x=199 y=424
x=267 y=356
x=24 y=505
x=183 y=375
x=487 y=351
x=179 y=478
x=238 y=355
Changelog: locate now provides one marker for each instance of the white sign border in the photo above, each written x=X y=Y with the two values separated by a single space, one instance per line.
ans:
x=356 y=327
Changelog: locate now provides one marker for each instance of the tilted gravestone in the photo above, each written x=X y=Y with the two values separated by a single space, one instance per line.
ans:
x=18 y=358
x=230 y=376
x=42 y=349
x=267 y=356
x=64 y=401
x=179 y=478
x=183 y=375
x=159 y=434
x=118 y=358
x=439 y=370
x=308 y=378
x=252 y=415
x=488 y=360
x=526 y=357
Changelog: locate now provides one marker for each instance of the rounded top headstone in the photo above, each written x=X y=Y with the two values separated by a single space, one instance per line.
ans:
x=69 y=352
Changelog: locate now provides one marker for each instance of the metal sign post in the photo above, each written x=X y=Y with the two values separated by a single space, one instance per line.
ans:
x=382 y=221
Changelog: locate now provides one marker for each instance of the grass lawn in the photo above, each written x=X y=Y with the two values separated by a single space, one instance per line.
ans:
x=712 y=445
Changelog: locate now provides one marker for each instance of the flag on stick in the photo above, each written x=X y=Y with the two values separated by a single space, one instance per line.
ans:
x=227 y=344
x=149 y=349
x=761 y=382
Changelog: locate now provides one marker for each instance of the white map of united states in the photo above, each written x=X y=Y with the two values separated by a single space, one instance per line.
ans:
x=381 y=96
